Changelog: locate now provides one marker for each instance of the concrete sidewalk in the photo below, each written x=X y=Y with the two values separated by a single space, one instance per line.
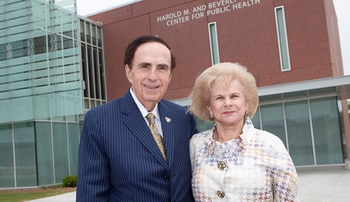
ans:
x=318 y=185
x=67 y=197
x=324 y=185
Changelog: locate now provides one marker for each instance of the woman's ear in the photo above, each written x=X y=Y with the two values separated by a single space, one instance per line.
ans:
x=210 y=112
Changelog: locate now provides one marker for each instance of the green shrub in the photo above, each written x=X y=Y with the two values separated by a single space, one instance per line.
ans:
x=70 y=181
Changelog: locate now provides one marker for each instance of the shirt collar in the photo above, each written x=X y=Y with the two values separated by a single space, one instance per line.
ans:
x=142 y=109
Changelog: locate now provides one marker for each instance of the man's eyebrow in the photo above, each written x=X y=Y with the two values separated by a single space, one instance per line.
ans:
x=143 y=64
x=163 y=64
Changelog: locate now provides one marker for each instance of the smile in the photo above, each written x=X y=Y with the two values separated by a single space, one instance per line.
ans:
x=151 y=87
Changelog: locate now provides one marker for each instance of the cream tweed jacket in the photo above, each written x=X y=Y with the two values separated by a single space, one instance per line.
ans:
x=256 y=167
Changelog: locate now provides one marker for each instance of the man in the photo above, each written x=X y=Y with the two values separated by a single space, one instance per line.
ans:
x=119 y=159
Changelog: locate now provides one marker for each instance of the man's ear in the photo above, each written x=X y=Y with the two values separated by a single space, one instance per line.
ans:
x=128 y=73
x=171 y=75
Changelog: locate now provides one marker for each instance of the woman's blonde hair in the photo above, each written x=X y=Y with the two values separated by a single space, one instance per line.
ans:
x=222 y=74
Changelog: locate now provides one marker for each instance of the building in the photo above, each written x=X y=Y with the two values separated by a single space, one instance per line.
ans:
x=51 y=71
x=291 y=47
x=55 y=65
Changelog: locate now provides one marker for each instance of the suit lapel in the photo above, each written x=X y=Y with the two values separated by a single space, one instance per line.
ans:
x=135 y=122
x=168 y=130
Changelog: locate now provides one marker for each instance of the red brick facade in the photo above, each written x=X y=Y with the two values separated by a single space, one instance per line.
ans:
x=246 y=34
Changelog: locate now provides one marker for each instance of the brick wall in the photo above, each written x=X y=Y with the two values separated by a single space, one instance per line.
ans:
x=246 y=34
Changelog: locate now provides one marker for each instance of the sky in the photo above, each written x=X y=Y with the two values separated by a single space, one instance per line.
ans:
x=342 y=7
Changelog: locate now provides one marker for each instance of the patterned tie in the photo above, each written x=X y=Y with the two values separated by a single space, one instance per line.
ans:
x=157 y=137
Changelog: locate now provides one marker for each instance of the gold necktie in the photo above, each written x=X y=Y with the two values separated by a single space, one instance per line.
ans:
x=157 y=137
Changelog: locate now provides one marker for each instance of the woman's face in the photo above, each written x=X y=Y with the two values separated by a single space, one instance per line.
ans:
x=228 y=104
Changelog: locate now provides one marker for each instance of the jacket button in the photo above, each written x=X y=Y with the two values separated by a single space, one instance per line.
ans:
x=221 y=165
x=220 y=194
x=166 y=178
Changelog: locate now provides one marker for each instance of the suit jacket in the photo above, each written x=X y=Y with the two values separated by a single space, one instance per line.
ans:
x=120 y=161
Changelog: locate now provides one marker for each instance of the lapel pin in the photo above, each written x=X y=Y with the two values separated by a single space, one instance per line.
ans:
x=167 y=119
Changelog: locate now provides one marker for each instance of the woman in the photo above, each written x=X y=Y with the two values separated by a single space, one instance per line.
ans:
x=234 y=161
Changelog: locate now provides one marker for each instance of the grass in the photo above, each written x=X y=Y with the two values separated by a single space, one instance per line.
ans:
x=25 y=195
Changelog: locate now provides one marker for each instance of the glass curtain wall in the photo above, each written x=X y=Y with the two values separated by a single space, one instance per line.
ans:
x=38 y=153
x=57 y=151
x=39 y=60
x=60 y=149
x=256 y=119
x=25 y=162
x=326 y=129
x=44 y=153
x=299 y=132
x=94 y=79
x=309 y=129
x=73 y=144
x=40 y=91
x=6 y=157
x=273 y=121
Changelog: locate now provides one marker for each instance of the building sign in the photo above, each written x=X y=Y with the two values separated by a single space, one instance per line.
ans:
x=205 y=10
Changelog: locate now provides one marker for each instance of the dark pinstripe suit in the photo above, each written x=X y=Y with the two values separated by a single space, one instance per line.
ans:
x=120 y=161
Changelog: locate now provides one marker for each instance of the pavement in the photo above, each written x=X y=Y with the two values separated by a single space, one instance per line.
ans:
x=325 y=185
x=315 y=185
x=67 y=197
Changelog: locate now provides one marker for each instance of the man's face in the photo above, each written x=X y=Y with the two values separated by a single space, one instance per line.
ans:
x=150 y=73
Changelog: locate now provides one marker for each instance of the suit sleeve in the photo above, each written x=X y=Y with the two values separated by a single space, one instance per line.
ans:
x=93 y=163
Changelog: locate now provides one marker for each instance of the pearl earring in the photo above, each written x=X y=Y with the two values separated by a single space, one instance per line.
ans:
x=246 y=115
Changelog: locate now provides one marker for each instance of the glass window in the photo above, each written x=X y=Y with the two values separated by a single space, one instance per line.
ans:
x=299 y=133
x=85 y=72
x=97 y=74
x=60 y=151
x=99 y=36
x=42 y=107
x=67 y=43
x=214 y=45
x=73 y=135
x=82 y=31
x=59 y=111
x=44 y=153
x=91 y=73
x=270 y=98
x=40 y=45
x=59 y=42
x=92 y=103
x=6 y=157
x=295 y=95
x=327 y=134
x=93 y=34
x=88 y=32
x=204 y=125
x=22 y=108
x=102 y=75
x=25 y=154
x=256 y=119
x=72 y=118
x=273 y=121
x=2 y=52
x=87 y=104
x=68 y=33
x=19 y=48
x=282 y=38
